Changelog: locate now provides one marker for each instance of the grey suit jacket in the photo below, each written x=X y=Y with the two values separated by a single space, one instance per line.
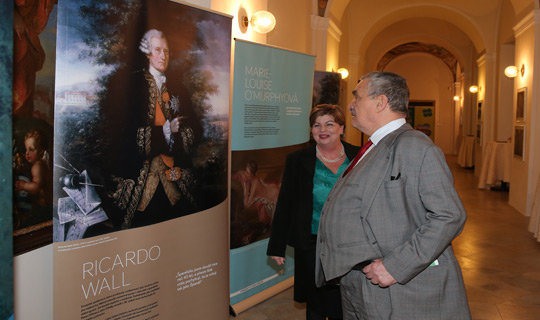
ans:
x=408 y=221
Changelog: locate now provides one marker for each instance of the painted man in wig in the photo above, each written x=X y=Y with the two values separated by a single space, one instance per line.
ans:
x=155 y=184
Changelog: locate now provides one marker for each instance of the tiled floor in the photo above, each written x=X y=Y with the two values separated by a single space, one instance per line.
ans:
x=500 y=260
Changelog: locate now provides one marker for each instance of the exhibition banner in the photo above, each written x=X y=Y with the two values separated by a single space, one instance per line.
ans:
x=141 y=161
x=272 y=99
x=6 y=243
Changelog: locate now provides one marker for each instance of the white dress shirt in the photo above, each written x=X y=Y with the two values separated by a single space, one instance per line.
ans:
x=382 y=132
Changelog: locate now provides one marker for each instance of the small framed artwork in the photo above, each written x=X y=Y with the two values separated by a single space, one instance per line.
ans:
x=479 y=111
x=521 y=105
x=479 y=133
x=519 y=142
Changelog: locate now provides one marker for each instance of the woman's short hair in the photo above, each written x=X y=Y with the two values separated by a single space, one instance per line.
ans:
x=327 y=109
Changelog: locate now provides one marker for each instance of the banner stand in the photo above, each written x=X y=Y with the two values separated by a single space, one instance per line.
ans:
x=261 y=296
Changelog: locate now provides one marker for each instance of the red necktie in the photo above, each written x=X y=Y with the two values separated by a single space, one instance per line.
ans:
x=359 y=155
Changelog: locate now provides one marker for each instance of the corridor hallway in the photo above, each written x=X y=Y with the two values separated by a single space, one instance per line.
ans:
x=499 y=258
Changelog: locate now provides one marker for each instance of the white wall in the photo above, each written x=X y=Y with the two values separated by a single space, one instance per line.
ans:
x=520 y=190
x=506 y=95
x=430 y=80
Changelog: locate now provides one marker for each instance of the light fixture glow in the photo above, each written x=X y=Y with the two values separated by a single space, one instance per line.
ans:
x=456 y=98
x=261 y=21
x=511 y=71
x=344 y=73
x=473 y=89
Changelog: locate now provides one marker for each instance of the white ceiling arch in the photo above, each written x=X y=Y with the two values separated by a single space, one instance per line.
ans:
x=427 y=31
x=478 y=19
x=337 y=7
x=366 y=28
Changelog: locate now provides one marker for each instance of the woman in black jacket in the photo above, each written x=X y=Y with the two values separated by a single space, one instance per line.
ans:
x=309 y=176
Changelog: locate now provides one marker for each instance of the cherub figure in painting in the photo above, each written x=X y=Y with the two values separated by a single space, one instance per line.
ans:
x=38 y=184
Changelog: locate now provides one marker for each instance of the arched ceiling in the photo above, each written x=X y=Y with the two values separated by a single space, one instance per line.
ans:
x=337 y=7
x=439 y=52
x=476 y=18
x=433 y=36
x=450 y=15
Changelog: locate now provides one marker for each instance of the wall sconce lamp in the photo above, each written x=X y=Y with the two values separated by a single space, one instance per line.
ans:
x=457 y=98
x=512 y=71
x=344 y=73
x=474 y=89
x=261 y=21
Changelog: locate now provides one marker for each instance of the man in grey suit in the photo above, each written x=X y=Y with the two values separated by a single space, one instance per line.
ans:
x=387 y=225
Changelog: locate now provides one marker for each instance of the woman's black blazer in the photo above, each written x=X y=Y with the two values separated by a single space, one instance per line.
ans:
x=291 y=224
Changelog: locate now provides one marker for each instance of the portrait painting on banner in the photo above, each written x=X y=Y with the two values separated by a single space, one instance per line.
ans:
x=142 y=102
x=34 y=45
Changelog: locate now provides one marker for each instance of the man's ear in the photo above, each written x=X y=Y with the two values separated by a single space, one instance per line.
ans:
x=382 y=102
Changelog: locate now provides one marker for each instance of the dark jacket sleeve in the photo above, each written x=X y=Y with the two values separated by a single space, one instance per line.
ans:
x=292 y=218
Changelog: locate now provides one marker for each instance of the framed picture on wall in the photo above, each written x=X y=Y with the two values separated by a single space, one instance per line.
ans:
x=521 y=105
x=479 y=111
x=479 y=133
x=519 y=142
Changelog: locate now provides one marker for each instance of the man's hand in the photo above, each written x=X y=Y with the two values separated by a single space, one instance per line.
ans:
x=175 y=124
x=376 y=272
x=278 y=260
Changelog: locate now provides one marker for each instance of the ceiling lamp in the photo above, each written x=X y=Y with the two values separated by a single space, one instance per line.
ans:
x=344 y=73
x=473 y=89
x=511 y=71
x=261 y=21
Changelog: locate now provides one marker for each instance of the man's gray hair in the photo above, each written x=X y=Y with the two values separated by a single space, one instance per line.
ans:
x=145 y=45
x=393 y=86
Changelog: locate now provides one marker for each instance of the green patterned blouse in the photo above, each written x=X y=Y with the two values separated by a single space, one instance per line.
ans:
x=323 y=181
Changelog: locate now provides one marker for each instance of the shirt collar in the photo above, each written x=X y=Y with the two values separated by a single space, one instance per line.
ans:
x=386 y=129
x=158 y=75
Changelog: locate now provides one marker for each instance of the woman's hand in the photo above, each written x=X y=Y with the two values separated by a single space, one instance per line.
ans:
x=279 y=260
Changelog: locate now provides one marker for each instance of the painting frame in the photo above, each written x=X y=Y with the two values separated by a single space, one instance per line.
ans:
x=521 y=104
x=519 y=142
x=479 y=111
